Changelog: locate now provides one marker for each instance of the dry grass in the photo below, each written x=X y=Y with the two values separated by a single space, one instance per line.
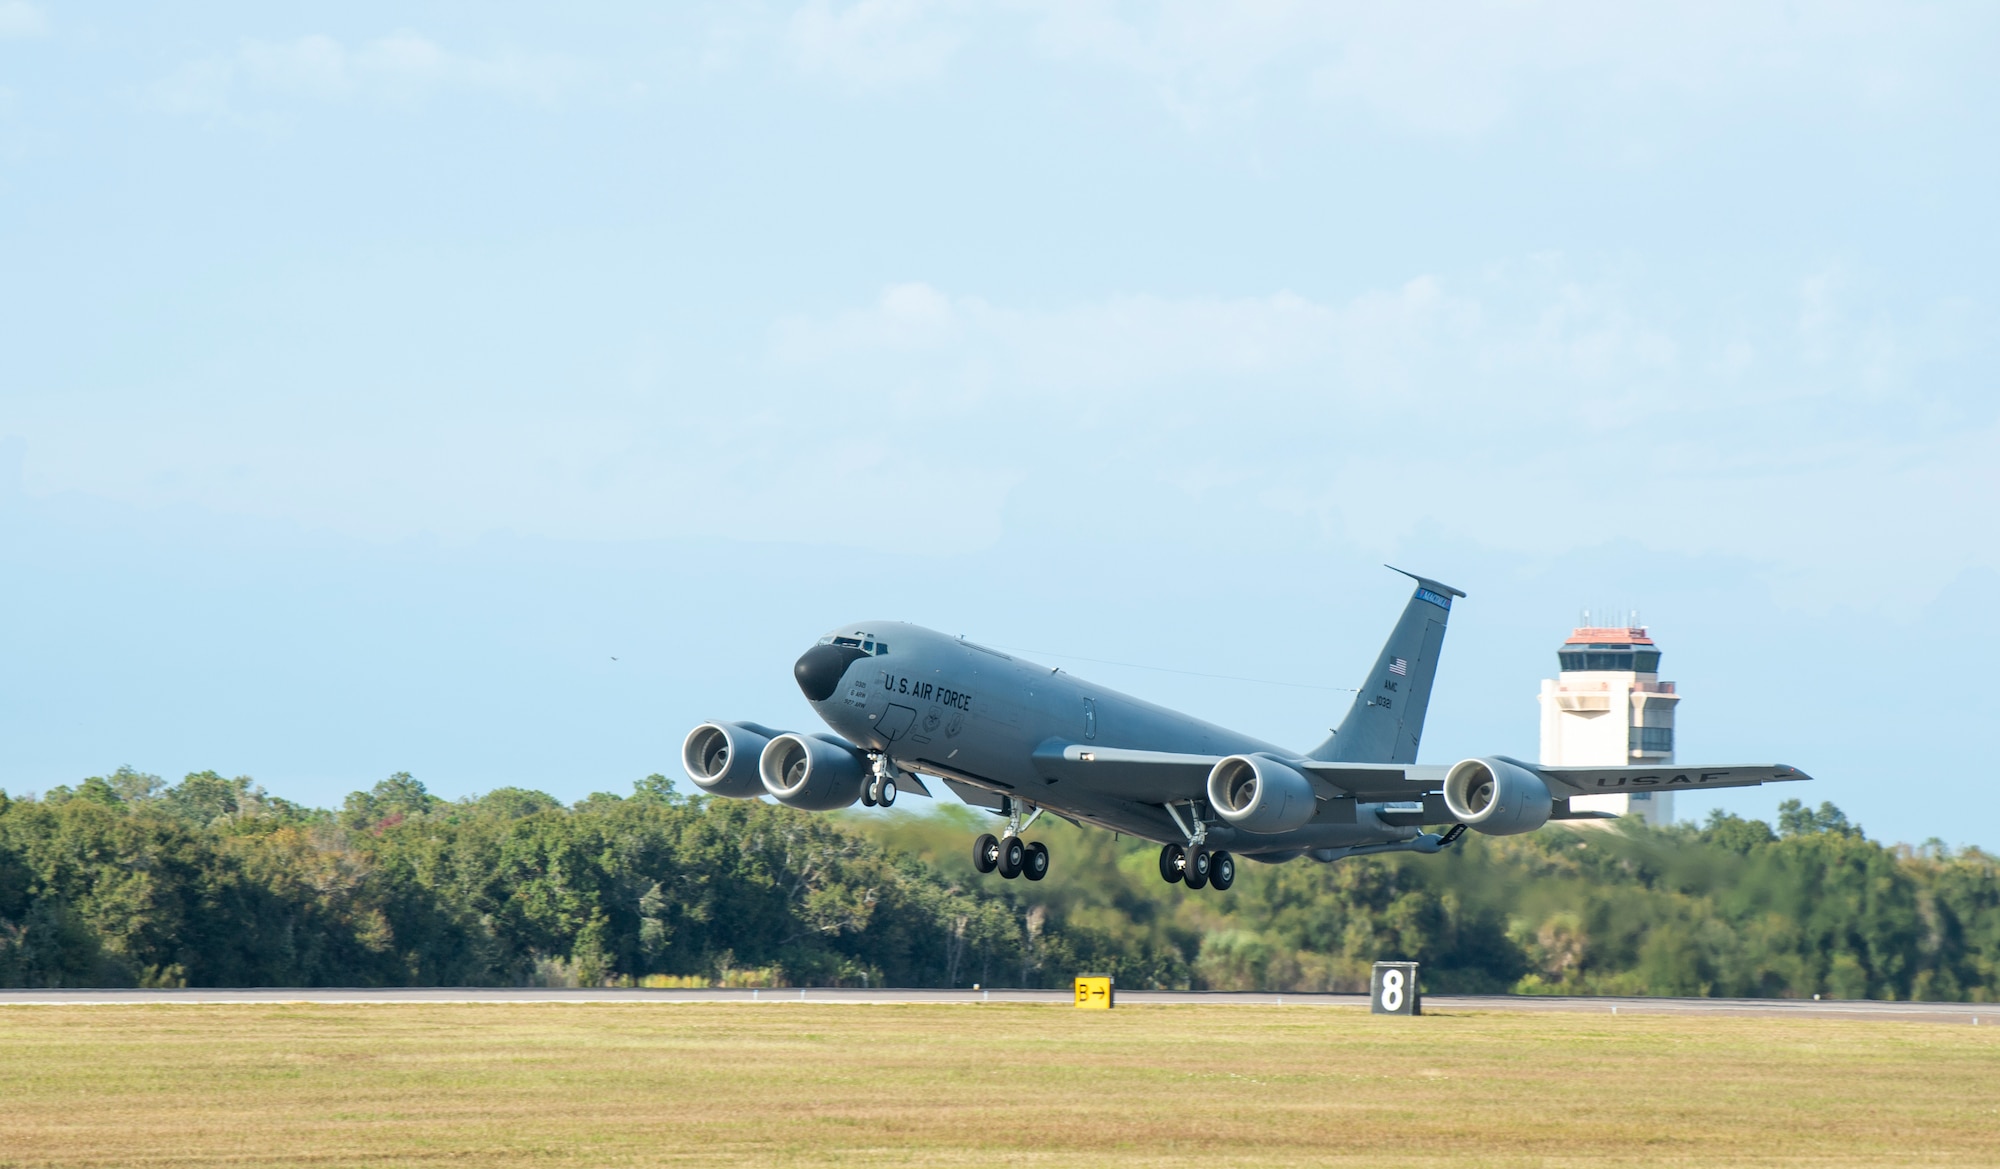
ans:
x=604 y=1085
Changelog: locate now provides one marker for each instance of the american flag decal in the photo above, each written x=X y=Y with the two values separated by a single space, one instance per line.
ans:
x=1399 y=666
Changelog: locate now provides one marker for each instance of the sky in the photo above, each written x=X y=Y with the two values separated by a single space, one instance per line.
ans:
x=492 y=392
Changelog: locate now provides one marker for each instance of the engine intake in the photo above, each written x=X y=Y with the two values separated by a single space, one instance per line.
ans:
x=721 y=758
x=1497 y=797
x=811 y=773
x=1259 y=794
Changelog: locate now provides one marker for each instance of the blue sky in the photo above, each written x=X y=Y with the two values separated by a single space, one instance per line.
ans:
x=371 y=376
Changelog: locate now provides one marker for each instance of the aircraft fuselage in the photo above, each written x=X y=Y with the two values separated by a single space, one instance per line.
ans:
x=943 y=706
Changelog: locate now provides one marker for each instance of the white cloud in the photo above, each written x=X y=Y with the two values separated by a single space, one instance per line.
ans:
x=18 y=18
x=401 y=67
x=1524 y=409
x=1539 y=408
x=1456 y=67
x=871 y=43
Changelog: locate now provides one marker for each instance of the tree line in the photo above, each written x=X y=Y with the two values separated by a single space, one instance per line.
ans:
x=123 y=880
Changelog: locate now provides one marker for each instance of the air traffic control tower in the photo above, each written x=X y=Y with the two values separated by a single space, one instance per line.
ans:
x=1608 y=708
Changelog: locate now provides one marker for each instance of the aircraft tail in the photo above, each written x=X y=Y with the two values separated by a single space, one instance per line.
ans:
x=1387 y=719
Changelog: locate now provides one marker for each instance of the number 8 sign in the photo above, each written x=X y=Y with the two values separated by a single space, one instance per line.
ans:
x=1393 y=989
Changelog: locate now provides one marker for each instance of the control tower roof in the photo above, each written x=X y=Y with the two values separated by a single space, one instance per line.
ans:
x=1609 y=638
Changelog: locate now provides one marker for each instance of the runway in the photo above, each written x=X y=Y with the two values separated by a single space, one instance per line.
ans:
x=1973 y=1014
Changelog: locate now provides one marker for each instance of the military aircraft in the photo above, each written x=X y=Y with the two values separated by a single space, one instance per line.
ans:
x=1020 y=739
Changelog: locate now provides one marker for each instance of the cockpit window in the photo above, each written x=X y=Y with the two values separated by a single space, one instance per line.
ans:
x=854 y=642
x=881 y=647
x=862 y=643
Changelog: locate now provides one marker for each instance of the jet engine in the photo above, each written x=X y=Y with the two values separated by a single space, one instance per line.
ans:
x=812 y=773
x=1259 y=794
x=1497 y=797
x=721 y=758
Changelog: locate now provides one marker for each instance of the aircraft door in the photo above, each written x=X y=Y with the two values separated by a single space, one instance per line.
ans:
x=895 y=722
x=1089 y=718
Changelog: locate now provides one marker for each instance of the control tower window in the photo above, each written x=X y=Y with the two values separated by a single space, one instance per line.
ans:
x=1594 y=658
x=1653 y=740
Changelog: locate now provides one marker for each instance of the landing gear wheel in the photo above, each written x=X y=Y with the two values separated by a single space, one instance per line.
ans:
x=1035 y=861
x=1012 y=854
x=986 y=852
x=1172 y=857
x=887 y=796
x=868 y=795
x=1196 y=874
x=1221 y=870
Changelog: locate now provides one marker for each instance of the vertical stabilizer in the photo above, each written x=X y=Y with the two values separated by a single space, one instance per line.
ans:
x=1386 y=721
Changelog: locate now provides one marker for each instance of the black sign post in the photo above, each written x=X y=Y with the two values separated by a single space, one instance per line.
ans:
x=1392 y=990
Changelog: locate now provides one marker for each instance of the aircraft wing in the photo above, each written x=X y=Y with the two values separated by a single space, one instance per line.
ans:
x=1395 y=781
x=1599 y=781
x=1372 y=781
x=1151 y=777
x=1156 y=777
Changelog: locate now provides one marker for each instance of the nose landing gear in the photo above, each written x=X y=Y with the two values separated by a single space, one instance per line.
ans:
x=880 y=791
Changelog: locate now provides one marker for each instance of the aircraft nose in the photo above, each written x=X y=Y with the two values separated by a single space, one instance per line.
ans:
x=820 y=669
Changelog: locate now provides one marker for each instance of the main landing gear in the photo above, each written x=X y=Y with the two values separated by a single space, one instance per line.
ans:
x=1011 y=857
x=1008 y=854
x=1195 y=866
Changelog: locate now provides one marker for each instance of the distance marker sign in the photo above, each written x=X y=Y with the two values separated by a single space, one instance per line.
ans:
x=1392 y=989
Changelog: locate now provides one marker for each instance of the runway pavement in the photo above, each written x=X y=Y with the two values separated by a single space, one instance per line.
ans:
x=1974 y=1014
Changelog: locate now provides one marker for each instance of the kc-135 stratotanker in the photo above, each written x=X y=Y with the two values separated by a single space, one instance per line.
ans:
x=1021 y=739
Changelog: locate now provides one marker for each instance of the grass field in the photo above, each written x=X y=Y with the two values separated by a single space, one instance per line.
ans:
x=613 y=1085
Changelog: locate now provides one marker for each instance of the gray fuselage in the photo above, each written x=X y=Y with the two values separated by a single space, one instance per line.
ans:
x=988 y=721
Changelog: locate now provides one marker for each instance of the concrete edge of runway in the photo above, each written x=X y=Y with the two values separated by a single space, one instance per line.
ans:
x=1975 y=1014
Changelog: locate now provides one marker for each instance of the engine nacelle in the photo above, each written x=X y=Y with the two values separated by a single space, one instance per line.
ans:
x=1260 y=794
x=811 y=773
x=1497 y=797
x=721 y=758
